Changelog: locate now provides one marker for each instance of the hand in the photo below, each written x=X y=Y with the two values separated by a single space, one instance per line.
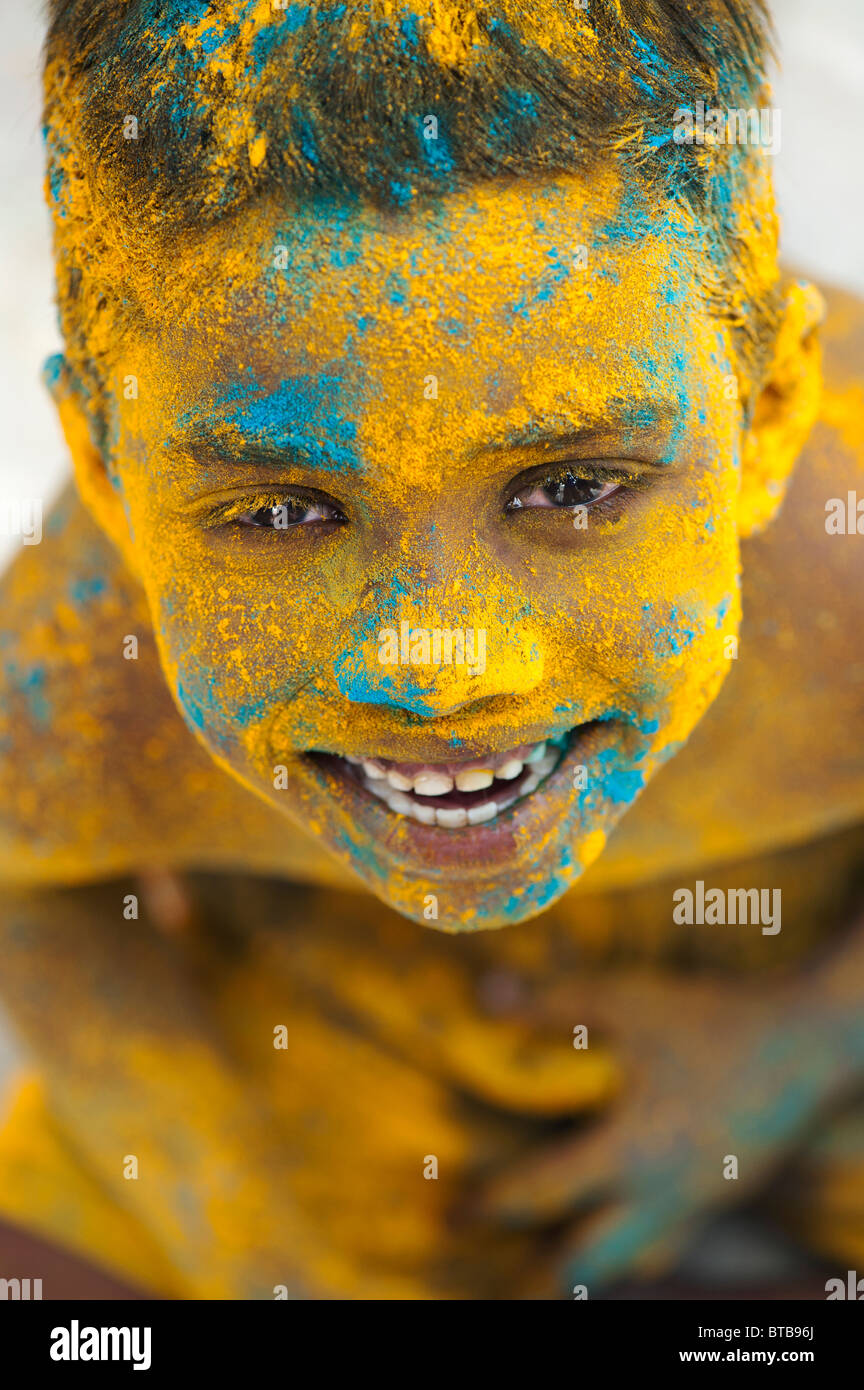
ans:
x=721 y=1077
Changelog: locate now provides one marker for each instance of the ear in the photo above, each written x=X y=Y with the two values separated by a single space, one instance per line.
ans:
x=785 y=409
x=103 y=500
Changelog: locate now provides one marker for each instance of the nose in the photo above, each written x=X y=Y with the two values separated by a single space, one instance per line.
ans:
x=433 y=666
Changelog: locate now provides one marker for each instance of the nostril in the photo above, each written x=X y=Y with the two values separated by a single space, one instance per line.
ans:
x=428 y=708
x=490 y=704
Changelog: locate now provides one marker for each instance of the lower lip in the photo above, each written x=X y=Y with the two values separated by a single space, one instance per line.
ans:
x=478 y=847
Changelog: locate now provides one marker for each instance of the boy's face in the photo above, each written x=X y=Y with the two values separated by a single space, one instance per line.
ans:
x=349 y=421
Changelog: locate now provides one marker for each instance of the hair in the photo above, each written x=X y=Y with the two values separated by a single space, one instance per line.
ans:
x=235 y=99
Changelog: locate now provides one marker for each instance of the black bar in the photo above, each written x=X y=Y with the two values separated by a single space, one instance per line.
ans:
x=225 y=1338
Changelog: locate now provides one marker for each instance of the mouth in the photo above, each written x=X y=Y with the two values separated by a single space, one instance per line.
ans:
x=457 y=795
x=470 y=814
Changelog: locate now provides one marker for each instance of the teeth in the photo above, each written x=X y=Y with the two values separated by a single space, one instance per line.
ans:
x=402 y=784
x=472 y=781
x=435 y=783
x=391 y=787
x=507 y=771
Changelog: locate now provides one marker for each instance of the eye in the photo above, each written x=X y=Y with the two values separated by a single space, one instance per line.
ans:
x=288 y=512
x=563 y=490
x=276 y=512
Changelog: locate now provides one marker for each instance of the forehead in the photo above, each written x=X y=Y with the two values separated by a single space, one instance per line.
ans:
x=508 y=306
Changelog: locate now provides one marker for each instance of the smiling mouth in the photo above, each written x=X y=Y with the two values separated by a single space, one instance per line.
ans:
x=458 y=795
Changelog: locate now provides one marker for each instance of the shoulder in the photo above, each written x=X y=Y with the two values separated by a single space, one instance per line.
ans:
x=99 y=776
x=80 y=704
x=803 y=559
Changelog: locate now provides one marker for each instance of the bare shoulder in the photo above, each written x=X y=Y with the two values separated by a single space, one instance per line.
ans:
x=98 y=773
x=75 y=692
x=779 y=759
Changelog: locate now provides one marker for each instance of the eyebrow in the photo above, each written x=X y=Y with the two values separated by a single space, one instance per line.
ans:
x=263 y=429
x=292 y=447
x=649 y=417
x=238 y=437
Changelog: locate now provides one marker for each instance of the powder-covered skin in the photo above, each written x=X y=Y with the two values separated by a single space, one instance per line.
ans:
x=257 y=381
x=412 y=360
x=409 y=361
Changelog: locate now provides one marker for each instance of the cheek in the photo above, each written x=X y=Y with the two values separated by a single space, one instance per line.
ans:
x=681 y=637
x=648 y=632
x=233 y=645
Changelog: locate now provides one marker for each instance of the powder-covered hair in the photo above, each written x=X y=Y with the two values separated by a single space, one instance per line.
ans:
x=236 y=98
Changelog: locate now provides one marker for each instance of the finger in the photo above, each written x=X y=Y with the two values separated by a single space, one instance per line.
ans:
x=563 y=1176
x=627 y=1238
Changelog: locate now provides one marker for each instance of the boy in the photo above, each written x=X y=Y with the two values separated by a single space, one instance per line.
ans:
x=422 y=381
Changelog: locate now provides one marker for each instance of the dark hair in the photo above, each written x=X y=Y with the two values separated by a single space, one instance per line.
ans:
x=237 y=97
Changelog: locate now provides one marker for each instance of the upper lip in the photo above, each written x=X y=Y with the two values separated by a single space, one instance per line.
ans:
x=445 y=757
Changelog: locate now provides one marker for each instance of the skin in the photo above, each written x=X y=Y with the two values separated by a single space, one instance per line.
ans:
x=620 y=630
x=763 y=1066
x=169 y=807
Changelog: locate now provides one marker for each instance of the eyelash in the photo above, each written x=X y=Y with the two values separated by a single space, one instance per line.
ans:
x=227 y=513
x=233 y=512
x=624 y=482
